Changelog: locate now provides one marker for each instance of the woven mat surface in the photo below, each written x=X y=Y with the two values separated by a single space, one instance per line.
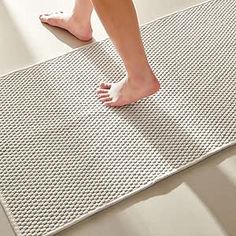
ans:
x=63 y=156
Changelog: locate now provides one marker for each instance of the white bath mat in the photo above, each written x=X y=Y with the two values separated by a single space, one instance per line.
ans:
x=64 y=156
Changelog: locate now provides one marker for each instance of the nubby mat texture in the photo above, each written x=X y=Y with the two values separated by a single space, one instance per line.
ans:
x=64 y=156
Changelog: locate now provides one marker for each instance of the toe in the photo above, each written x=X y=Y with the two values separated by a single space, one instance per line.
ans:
x=105 y=85
x=43 y=17
x=103 y=95
x=50 y=14
x=53 y=19
x=100 y=91
x=59 y=12
x=110 y=103
x=106 y=99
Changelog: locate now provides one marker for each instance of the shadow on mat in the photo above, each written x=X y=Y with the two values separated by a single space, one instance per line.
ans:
x=211 y=186
x=205 y=180
x=106 y=61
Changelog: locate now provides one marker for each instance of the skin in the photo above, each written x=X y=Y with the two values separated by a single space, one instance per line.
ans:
x=120 y=21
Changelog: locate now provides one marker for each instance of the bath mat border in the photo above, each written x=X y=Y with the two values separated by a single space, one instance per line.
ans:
x=200 y=159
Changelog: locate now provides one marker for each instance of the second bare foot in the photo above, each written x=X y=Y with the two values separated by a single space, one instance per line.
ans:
x=81 y=30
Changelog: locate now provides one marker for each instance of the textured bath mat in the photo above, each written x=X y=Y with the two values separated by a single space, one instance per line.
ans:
x=64 y=156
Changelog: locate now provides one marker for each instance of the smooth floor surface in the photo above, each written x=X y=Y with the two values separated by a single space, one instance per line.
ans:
x=197 y=201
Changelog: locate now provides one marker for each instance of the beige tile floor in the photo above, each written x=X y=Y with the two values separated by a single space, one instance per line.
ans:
x=200 y=201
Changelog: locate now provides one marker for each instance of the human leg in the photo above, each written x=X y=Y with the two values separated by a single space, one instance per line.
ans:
x=120 y=21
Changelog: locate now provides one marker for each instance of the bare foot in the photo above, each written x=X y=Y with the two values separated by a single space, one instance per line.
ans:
x=127 y=90
x=81 y=30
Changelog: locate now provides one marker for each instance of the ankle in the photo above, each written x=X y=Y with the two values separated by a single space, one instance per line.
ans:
x=149 y=81
x=81 y=19
x=142 y=76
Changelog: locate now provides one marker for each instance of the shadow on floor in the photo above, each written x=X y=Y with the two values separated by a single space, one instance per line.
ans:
x=66 y=37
